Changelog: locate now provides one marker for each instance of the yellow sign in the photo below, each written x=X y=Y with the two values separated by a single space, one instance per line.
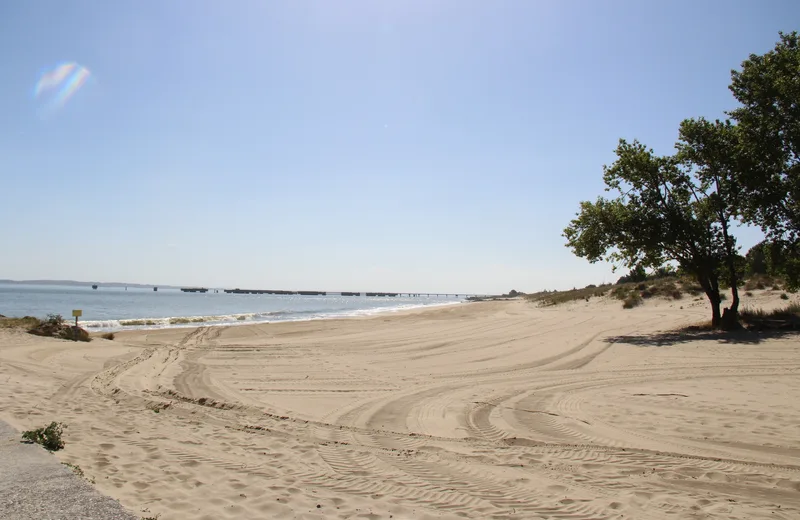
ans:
x=77 y=313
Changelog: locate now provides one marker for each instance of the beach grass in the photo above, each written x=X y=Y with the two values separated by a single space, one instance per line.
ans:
x=27 y=323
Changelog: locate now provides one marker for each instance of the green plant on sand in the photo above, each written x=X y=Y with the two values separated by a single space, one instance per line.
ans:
x=49 y=437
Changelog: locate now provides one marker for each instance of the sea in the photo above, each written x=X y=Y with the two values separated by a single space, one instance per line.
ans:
x=120 y=308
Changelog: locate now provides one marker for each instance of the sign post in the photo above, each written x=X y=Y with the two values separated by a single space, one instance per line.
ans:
x=77 y=313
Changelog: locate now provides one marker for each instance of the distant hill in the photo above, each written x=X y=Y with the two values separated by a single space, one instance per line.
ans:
x=86 y=284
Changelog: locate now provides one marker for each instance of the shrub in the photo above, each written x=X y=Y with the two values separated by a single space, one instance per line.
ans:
x=108 y=335
x=749 y=293
x=54 y=327
x=48 y=437
x=632 y=301
x=784 y=296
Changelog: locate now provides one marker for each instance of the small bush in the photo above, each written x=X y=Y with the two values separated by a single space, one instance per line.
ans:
x=749 y=293
x=54 y=327
x=108 y=335
x=48 y=437
x=722 y=297
x=676 y=294
x=633 y=300
x=784 y=296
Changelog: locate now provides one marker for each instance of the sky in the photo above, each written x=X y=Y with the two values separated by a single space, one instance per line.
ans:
x=415 y=145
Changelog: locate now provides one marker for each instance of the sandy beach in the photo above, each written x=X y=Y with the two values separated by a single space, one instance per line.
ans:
x=483 y=410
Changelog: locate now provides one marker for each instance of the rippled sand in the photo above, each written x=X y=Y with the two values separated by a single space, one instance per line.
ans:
x=487 y=410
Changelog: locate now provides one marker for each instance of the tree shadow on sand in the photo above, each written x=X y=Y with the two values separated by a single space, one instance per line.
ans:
x=689 y=334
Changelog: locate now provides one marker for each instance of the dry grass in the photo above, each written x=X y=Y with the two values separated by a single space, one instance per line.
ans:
x=786 y=317
x=633 y=300
x=761 y=282
x=26 y=323
x=546 y=299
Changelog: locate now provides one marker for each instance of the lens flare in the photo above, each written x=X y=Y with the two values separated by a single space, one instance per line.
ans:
x=61 y=82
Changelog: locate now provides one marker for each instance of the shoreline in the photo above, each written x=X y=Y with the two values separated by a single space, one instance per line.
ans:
x=230 y=320
x=498 y=409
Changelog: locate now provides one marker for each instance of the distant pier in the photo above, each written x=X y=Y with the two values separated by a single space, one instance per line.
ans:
x=194 y=289
x=343 y=293
x=274 y=291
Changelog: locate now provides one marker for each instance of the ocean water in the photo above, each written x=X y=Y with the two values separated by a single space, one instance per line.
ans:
x=114 y=308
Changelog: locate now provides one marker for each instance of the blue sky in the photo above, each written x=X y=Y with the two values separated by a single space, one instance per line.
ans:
x=387 y=145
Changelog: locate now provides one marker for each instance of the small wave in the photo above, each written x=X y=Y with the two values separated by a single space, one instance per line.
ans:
x=246 y=318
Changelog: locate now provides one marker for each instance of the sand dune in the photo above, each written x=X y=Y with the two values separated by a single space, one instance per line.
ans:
x=487 y=410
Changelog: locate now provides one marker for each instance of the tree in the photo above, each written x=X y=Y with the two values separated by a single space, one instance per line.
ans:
x=637 y=274
x=768 y=88
x=711 y=153
x=756 y=259
x=768 y=258
x=661 y=213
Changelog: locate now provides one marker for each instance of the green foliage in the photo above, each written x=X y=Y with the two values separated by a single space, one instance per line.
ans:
x=776 y=259
x=768 y=88
x=637 y=274
x=681 y=207
x=54 y=320
x=756 y=259
x=48 y=437
x=661 y=213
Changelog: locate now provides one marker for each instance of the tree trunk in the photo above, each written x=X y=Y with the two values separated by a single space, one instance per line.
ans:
x=730 y=316
x=710 y=285
x=716 y=319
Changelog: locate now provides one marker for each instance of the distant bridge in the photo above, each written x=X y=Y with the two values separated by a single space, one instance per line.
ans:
x=325 y=293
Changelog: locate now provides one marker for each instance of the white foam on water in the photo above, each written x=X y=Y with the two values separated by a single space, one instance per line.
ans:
x=245 y=318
